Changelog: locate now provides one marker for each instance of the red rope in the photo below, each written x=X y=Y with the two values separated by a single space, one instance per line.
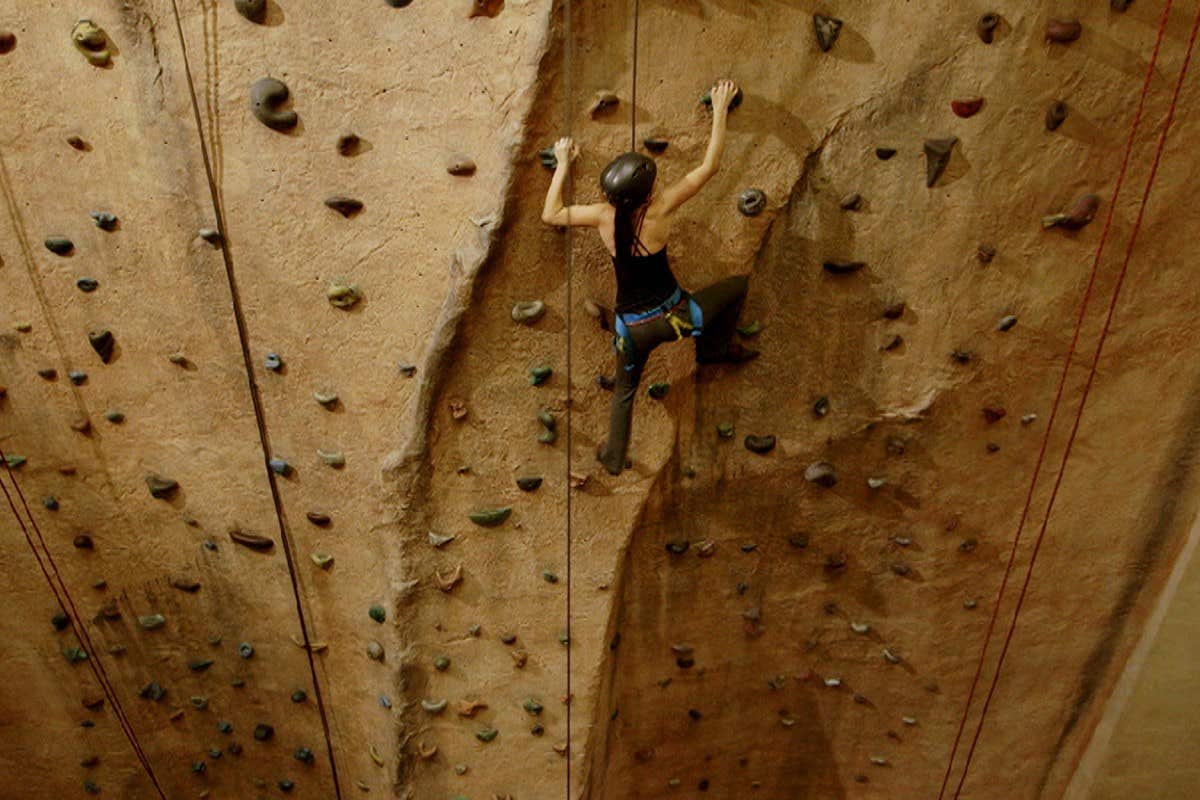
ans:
x=1054 y=408
x=1112 y=306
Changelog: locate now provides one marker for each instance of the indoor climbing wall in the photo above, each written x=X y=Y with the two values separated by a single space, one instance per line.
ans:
x=299 y=397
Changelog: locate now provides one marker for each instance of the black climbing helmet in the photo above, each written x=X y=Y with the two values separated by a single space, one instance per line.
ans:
x=628 y=179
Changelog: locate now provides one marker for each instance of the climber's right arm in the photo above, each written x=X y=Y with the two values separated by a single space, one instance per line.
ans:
x=679 y=193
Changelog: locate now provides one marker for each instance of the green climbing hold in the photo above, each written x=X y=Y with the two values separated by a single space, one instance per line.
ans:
x=160 y=487
x=263 y=732
x=91 y=788
x=343 y=295
x=198 y=702
x=658 y=390
x=115 y=417
x=550 y=426
x=304 y=754
x=750 y=330
x=486 y=735
x=532 y=707
x=59 y=245
x=549 y=577
x=74 y=654
x=152 y=621
x=14 y=461
x=725 y=430
x=441 y=663
x=377 y=613
x=490 y=517
x=152 y=691
x=322 y=560
x=200 y=665
x=539 y=375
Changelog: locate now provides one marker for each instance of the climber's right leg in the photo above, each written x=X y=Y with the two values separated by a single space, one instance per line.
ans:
x=721 y=304
x=620 y=415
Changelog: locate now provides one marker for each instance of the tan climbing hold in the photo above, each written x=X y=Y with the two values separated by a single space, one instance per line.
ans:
x=602 y=101
x=469 y=708
x=560 y=748
x=520 y=658
x=378 y=759
x=447 y=582
x=425 y=751
x=486 y=8
x=458 y=409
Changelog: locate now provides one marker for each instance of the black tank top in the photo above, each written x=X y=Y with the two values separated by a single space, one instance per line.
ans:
x=643 y=281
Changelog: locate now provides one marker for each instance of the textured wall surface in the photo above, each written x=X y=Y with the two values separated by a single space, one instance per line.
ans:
x=735 y=630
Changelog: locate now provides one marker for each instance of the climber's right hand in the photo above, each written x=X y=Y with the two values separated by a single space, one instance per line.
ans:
x=723 y=92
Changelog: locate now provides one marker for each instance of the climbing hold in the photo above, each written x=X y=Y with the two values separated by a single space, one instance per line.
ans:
x=532 y=707
x=160 y=487
x=488 y=518
x=266 y=95
x=280 y=466
x=299 y=696
x=894 y=311
x=102 y=342
x=92 y=41
x=1063 y=31
x=486 y=735
x=341 y=295
x=152 y=622
x=14 y=461
x=798 y=540
x=8 y=41
x=77 y=377
x=725 y=430
x=1081 y=212
x=253 y=10
x=529 y=483
x=966 y=108
x=486 y=8
x=22 y=327
x=78 y=143
x=348 y=144
x=303 y=754
x=1055 y=115
x=970 y=603
x=900 y=568
x=375 y=651
x=520 y=658
x=655 y=144
x=1120 y=6
x=179 y=359
x=528 y=312
x=286 y=785
x=827 y=29
x=892 y=343
x=677 y=548
x=251 y=540
x=539 y=375
x=890 y=656
x=460 y=164
x=547 y=157
x=200 y=664
x=851 y=202
x=1006 y=323
x=985 y=253
x=335 y=460
x=658 y=390
x=346 y=206
x=74 y=655
x=879 y=761
x=861 y=628
x=441 y=663
x=994 y=413
x=434 y=706
x=458 y=409
x=967 y=545
x=549 y=577
x=377 y=613
x=753 y=329
x=602 y=101
x=550 y=425
x=1028 y=419
x=876 y=483
x=447 y=582
x=986 y=26
x=83 y=541
x=104 y=220
x=843 y=267
x=759 y=444
x=884 y=153
x=833 y=683
x=59 y=245
x=468 y=708
x=50 y=502
x=937 y=156
x=322 y=560
x=821 y=407
x=751 y=202
x=962 y=356
x=263 y=732
x=152 y=691
x=326 y=399
x=821 y=473
x=734 y=102
x=199 y=703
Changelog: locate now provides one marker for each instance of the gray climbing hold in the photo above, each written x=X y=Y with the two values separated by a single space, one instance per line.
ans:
x=253 y=10
x=843 y=267
x=377 y=613
x=489 y=518
x=901 y=569
x=266 y=96
x=304 y=754
x=833 y=683
x=280 y=466
x=656 y=144
x=861 y=628
x=408 y=370
x=986 y=26
x=286 y=785
x=50 y=502
x=752 y=202
x=890 y=657
x=87 y=284
x=251 y=540
x=152 y=691
x=486 y=734
x=160 y=487
x=374 y=651
x=677 y=548
x=550 y=427
x=299 y=696
x=1056 y=114
x=343 y=295
x=200 y=664
x=547 y=157
x=59 y=245
x=759 y=444
x=937 y=156
x=152 y=622
x=91 y=40
x=263 y=732
x=827 y=30
x=89 y=786
x=336 y=460
x=1006 y=323
x=326 y=399
x=460 y=165
x=879 y=761
x=528 y=311
x=1028 y=419
x=1063 y=31
x=529 y=483
x=434 y=707
x=1081 y=212
x=821 y=473
x=539 y=375
x=438 y=540
x=658 y=390
x=77 y=377
x=104 y=220
x=102 y=342
x=346 y=206
x=210 y=235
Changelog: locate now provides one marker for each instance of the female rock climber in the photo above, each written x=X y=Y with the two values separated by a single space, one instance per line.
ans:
x=651 y=308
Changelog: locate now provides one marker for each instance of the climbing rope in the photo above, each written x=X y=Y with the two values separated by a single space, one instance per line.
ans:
x=59 y=588
x=568 y=94
x=1055 y=407
x=1112 y=306
x=633 y=92
x=256 y=401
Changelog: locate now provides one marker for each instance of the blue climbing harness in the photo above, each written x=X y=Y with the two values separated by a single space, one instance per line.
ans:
x=694 y=324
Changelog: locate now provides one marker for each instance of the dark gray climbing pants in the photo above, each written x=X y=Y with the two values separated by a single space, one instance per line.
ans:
x=720 y=305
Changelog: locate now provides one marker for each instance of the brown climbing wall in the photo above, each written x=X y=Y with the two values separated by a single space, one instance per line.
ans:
x=716 y=595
